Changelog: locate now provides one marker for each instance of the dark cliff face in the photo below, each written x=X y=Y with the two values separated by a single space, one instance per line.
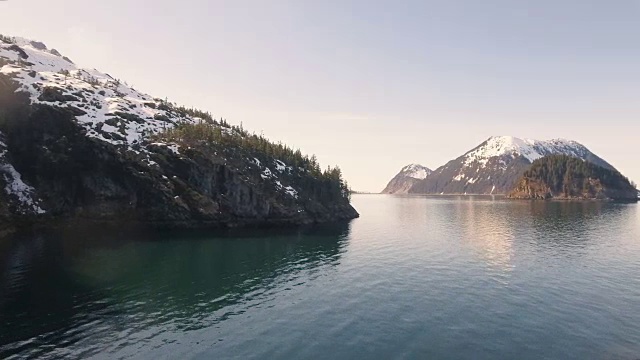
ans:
x=567 y=178
x=73 y=176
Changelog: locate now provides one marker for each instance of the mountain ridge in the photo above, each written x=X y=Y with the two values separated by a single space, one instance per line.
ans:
x=495 y=165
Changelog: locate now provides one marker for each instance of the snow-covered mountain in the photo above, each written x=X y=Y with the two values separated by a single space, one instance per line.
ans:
x=97 y=99
x=80 y=142
x=108 y=109
x=406 y=178
x=495 y=165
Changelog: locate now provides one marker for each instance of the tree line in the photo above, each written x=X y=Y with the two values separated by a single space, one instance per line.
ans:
x=565 y=173
x=322 y=184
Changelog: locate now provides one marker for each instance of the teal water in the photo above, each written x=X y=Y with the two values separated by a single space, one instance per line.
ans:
x=413 y=278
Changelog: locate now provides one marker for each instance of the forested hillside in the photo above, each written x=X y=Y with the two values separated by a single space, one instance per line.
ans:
x=566 y=177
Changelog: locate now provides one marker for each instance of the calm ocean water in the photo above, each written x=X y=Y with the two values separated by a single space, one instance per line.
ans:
x=413 y=278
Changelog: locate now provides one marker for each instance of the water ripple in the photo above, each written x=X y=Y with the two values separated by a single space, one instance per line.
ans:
x=414 y=277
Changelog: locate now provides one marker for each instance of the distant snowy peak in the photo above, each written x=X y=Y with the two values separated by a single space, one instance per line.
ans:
x=406 y=178
x=493 y=166
x=529 y=148
x=415 y=171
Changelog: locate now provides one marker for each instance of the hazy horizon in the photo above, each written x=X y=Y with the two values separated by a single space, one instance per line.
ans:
x=371 y=87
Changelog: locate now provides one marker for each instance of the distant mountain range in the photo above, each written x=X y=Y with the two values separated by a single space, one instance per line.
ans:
x=406 y=178
x=493 y=167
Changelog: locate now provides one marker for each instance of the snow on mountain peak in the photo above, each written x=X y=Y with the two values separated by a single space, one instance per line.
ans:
x=415 y=171
x=33 y=45
x=107 y=108
x=404 y=180
x=529 y=148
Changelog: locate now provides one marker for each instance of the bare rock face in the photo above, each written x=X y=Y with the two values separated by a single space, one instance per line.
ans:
x=39 y=45
x=406 y=178
x=53 y=94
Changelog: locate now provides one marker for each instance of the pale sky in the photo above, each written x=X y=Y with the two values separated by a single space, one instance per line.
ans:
x=371 y=85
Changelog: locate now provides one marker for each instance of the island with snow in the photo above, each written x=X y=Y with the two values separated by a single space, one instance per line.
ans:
x=79 y=144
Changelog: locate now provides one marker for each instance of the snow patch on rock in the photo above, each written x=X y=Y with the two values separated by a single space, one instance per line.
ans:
x=15 y=187
x=415 y=171
x=107 y=108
